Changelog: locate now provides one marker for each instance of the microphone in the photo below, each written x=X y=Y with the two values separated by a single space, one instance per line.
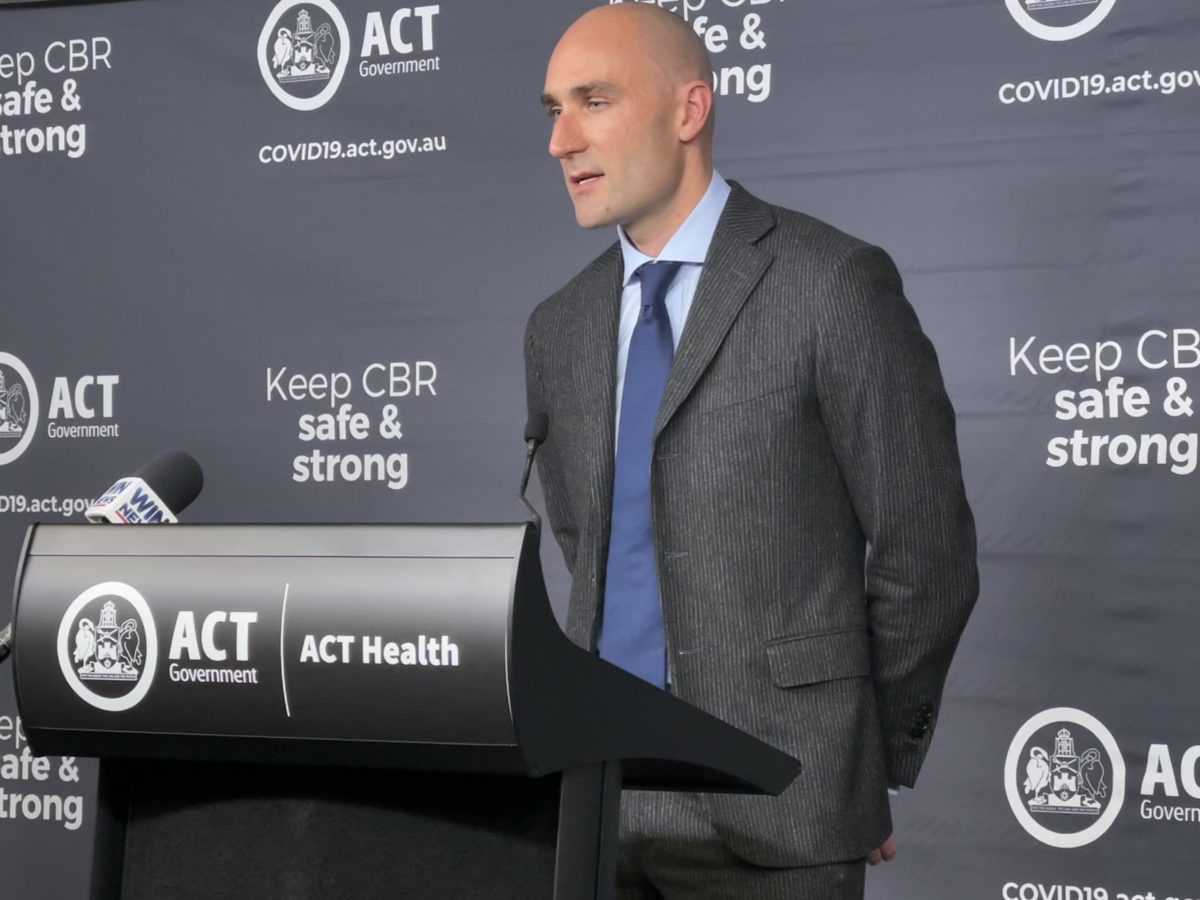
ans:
x=6 y=642
x=535 y=433
x=153 y=495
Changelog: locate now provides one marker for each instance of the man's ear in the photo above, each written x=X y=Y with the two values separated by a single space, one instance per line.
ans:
x=697 y=109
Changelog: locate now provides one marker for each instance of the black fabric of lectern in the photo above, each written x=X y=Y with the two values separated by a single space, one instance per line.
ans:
x=223 y=831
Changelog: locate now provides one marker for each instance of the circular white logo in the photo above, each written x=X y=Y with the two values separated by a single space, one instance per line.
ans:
x=18 y=407
x=1064 y=777
x=1023 y=11
x=303 y=56
x=107 y=655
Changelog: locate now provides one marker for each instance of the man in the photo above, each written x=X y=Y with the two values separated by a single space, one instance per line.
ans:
x=751 y=470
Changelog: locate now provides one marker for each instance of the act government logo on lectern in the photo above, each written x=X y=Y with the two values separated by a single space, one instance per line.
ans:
x=108 y=646
x=1064 y=777
x=18 y=407
x=303 y=51
x=1059 y=20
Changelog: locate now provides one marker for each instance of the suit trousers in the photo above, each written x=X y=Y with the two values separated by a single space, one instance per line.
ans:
x=669 y=850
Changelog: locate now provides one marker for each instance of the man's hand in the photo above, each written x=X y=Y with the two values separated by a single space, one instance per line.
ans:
x=886 y=853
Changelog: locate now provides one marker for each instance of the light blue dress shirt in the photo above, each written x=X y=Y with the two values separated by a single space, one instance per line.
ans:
x=689 y=245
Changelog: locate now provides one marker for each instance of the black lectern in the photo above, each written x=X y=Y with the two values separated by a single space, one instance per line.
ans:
x=343 y=711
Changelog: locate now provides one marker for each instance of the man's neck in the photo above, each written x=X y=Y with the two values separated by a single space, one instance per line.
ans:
x=652 y=235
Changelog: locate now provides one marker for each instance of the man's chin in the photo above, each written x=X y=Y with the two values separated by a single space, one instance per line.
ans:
x=588 y=217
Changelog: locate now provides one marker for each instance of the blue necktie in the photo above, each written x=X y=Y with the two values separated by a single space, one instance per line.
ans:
x=631 y=630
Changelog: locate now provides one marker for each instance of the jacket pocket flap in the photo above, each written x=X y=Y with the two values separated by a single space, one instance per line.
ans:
x=749 y=386
x=813 y=658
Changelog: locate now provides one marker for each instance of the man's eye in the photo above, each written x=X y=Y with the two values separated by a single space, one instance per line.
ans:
x=553 y=112
x=597 y=104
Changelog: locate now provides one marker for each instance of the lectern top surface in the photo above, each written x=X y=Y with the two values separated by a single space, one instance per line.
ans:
x=437 y=541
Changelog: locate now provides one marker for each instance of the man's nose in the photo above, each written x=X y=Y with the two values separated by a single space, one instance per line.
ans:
x=565 y=137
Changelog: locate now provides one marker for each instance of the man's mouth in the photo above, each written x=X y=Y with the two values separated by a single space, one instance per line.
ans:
x=585 y=178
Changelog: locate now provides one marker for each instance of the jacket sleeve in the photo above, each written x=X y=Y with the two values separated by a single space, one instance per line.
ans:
x=892 y=428
x=549 y=468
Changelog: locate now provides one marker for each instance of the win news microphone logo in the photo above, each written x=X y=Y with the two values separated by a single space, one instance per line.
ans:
x=130 y=502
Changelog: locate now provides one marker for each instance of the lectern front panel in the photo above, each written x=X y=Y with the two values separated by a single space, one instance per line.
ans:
x=376 y=648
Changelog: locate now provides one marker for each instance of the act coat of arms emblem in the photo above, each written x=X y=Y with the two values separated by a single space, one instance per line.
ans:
x=108 y=646
x=18 y=407
x=1063 y=782
x=1064 y=777
x=304 y=55
x=106 y=651
x=303 y=50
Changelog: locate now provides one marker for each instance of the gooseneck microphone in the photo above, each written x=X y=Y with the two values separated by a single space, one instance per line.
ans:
x=535 y=433
x=153 y=495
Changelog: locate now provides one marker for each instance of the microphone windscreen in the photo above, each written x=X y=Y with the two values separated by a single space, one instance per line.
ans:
x=175 y=477
x=536 y=427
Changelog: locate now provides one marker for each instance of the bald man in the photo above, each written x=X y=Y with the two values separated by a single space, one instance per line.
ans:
x=751 y=470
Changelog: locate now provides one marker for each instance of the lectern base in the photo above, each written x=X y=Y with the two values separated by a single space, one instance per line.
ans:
x=186 y=830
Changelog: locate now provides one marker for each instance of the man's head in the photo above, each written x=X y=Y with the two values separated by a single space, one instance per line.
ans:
x=629 y=88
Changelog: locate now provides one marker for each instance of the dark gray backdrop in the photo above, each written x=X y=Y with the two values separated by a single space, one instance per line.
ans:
x=168 y=255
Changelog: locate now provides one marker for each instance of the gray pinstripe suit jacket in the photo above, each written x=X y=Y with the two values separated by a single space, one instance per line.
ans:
x=815 y=550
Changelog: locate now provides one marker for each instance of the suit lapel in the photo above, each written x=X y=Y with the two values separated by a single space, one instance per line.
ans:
x=596 y=373
x=732 y=269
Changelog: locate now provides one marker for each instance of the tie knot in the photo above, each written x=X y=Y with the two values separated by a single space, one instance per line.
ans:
x=656 y=278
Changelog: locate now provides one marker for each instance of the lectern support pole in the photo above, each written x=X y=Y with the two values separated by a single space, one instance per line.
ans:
x=589 y=819
x=112 y=810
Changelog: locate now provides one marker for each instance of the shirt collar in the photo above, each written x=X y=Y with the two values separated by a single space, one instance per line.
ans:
x=689 y=244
